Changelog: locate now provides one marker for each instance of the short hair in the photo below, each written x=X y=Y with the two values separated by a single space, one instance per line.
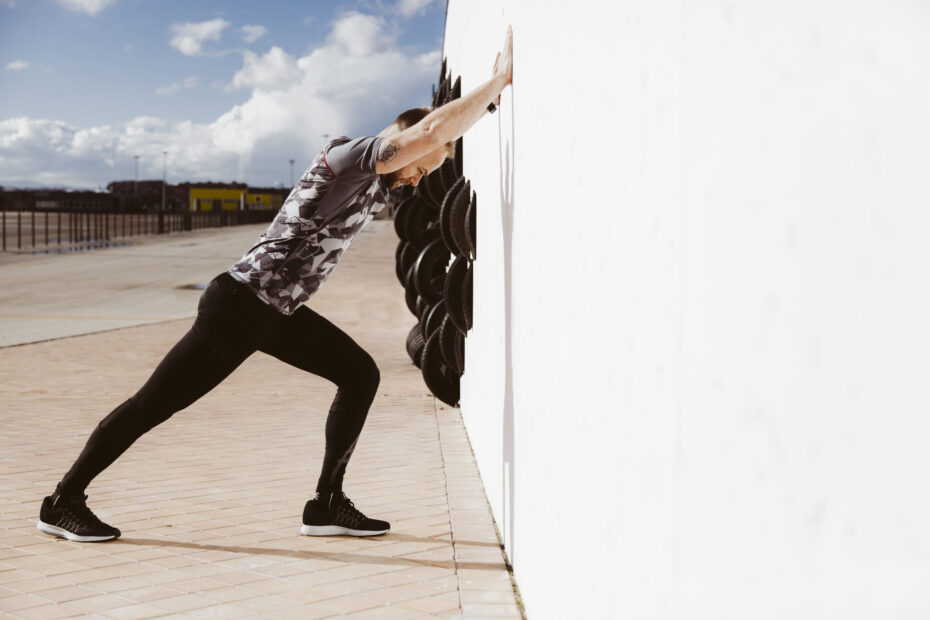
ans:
x=409 y=118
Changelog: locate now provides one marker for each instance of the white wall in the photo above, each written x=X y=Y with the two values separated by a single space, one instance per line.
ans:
x=697 y=381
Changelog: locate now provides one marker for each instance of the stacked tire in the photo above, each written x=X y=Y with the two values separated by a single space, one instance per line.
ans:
x=436 y=226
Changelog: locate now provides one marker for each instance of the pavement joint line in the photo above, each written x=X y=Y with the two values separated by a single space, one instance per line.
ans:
x=99 y=331
x=89 y=318
x=445 y=488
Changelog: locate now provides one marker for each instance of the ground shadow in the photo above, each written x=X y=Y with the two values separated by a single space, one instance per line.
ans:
x=345 y=558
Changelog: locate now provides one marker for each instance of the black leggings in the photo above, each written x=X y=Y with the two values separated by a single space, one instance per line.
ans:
x=232 y=323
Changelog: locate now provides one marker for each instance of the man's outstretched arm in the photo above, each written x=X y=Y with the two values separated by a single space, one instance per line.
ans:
x=446 y=123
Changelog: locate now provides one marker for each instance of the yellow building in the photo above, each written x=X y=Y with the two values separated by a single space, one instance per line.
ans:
x=206 y=199
x=263 y=202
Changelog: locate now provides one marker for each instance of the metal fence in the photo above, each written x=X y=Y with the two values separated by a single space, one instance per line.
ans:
x=69 y=230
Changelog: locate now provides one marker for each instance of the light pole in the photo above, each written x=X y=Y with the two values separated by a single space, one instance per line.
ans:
x=292 y=172
x=136 y=185
x=164 y=178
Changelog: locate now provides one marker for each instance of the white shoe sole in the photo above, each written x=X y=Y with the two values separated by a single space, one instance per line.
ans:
x=337 y=530
x=57 y=531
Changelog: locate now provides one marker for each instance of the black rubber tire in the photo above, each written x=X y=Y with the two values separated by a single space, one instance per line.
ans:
x=438 y=92
x=436 y=185
x=452 y=344
x=410 y=292
x=429 y=271
x=459 y=155
x=430 y=234
x=444 y=219
x=422 y=311
x=420 y=225
x=408 y=254
x=439 y=378
x=445 y=341
x=398 y=253
x=442 y=93
x=457 y=224
x=434 y=318
x=447 y=91
x=421 y=308
x=468 y=294
x=422 y=194
x=400 y=218
x=449 y=178
x=431 y=187
x=415 y=344
x=452 y=293
x=471 y=227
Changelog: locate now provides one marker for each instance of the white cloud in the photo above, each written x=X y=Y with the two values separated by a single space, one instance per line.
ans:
x=16 y=65
x=408 y=8
x=343 y=87
x=190 y=82
x=91 y=7
x=252 y=33
x=189 y=37
x=359 y=35
x=430 y=59
x=276 y=69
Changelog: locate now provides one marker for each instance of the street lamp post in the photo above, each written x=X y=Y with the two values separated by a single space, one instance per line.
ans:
x=292 y=173
x=136 y=185
x=164 y=178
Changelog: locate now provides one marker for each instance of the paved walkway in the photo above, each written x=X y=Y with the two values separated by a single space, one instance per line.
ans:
x=209 y=503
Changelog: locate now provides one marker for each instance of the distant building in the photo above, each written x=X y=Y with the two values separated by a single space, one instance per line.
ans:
x=147 y=197
x=58 y=200
x=205 y=199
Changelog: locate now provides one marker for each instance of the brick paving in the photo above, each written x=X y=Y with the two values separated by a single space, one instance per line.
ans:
x=210 y=502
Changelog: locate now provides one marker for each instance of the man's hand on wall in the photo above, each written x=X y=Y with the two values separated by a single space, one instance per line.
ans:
x=503 y=64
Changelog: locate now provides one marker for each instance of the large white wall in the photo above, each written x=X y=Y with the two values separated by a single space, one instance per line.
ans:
x=697 y=382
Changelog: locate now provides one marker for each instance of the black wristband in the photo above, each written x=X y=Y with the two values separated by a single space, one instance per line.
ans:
x=492 y=108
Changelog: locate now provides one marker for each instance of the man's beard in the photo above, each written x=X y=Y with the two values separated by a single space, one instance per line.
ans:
x=391 y=178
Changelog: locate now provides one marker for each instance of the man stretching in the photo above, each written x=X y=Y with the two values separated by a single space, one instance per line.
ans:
x=257 y=305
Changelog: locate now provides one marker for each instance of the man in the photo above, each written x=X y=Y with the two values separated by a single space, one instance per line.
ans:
x=257 y=305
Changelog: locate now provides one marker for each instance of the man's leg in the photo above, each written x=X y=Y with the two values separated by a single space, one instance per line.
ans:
x=222 y=337
x=308 y=341
x=191 y=369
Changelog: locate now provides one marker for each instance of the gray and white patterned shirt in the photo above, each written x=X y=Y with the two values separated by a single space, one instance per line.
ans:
x=337 y=195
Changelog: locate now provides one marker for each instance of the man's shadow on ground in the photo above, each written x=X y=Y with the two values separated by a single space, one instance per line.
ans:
x=346 y=558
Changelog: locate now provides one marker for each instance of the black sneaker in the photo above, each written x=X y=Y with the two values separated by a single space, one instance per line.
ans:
x=71 y=518
x=336 y=515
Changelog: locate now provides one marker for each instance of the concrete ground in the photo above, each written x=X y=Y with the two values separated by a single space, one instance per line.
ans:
x=210 y=502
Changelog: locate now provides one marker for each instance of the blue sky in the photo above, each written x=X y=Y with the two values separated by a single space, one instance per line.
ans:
x=232 y=90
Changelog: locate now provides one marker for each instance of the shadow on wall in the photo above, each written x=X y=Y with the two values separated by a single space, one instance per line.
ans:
x=506 y=140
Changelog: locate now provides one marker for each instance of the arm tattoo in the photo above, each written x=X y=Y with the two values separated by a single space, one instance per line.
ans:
x=388 y=150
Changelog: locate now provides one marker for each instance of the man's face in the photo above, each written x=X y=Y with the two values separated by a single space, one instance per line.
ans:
x=414 y=171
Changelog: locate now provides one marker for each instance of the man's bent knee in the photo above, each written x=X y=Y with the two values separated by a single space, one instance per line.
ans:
x=365 y=376
x=371 y=376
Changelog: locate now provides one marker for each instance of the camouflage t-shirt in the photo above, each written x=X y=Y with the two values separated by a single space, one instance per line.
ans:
x=337 y=195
